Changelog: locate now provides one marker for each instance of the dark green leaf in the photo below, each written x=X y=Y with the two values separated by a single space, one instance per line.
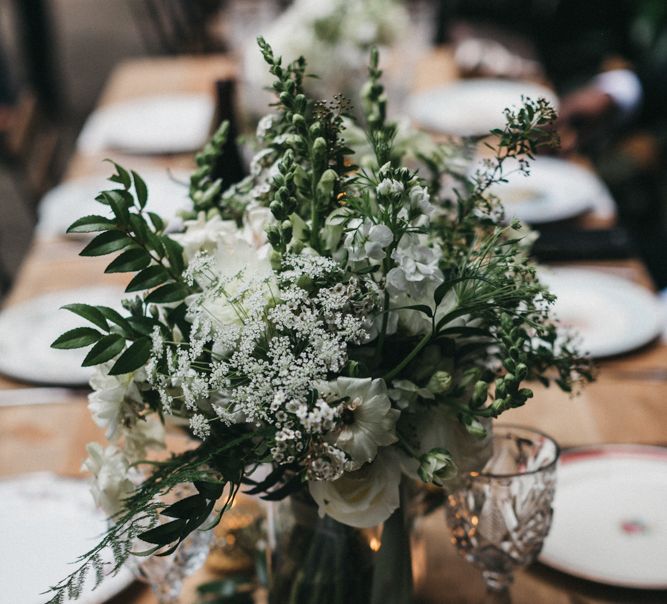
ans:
x=165 y=533
x=106 y=243
x=174 y=254
x=210 y=490
x=149 y=277
x=133 y=358
x=91 y=224
x=90 y=313
x=121 y=176
x=171 y=292
x=157 y=221
x=105 y=349
x=115 y=317
x=140 y=189
x=186 y=508
x=77 y=338
x=144 y=325
x=129 y=261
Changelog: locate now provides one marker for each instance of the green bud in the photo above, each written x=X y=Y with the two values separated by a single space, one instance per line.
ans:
x=276 y=260
x=298 y=121
x=480 y=393
x=440 y=382
x=476 y=429
x=325 y=187
x=436 y=467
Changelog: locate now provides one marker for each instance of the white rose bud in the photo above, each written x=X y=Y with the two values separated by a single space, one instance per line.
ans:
x=437 y=467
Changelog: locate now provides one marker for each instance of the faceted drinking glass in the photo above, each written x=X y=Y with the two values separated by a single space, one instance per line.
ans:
x=500 y=516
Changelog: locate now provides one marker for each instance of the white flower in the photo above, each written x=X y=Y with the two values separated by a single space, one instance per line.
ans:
x=390 y=187
x=367 y=241
x=110 y=403
x=417 y=269
x=420 y=198
x=363 y=498
x=111 y=483
x=203 y=235
x=369 y=419
x=255 y=221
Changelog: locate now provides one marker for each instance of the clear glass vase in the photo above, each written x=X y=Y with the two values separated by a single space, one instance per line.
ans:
x=317 y=560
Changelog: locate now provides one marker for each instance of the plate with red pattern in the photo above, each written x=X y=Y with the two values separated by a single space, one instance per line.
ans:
x=610 y=516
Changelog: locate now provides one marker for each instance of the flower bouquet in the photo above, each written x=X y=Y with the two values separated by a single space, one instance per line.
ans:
x=326 y=332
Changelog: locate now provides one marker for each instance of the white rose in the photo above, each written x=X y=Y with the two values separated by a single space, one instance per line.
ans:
x=369 y=419
x=363 y=498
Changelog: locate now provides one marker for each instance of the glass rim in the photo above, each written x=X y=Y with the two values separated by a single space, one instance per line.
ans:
x=493 y=475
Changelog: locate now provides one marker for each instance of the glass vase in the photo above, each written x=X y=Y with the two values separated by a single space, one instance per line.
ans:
x=318 y=560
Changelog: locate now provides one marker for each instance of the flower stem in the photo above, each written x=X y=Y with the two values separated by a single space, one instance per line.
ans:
x=406 y=361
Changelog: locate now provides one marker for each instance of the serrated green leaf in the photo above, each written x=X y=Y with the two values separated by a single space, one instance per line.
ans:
x=120 y=203
x=77 y=338
x=121 y=176
x=140 y=227
x=90 y=313
x=105 y=349
x=149 y=277
x=129 y=261
x=171 y=292
x=140 y=189
x=133 y=358
x=144 y=325
x=91 y=224
x=106 y=243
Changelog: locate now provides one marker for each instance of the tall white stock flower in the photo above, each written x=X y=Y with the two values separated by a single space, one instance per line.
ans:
x=367 y=241
x=369 y=421
x=110 y=483
x=363 y=498
x=112 y=399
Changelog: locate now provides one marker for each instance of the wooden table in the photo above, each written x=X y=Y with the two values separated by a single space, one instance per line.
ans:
x=625 y=405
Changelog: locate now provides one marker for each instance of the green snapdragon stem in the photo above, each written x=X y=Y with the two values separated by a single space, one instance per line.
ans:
x=392 y=572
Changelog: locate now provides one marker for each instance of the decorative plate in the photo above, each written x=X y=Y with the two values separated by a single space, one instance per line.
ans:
x=46 y=523
x=611 y=315
x=152 y=125
x=610 y=516
x=472 y=107
x=61 y=206
x=27 y=330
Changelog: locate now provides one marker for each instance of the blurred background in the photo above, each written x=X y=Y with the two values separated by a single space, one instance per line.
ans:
x=56 y=55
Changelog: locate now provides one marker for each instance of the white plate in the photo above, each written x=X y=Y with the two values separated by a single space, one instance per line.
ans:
x=612 y=315
x=28 y=329
x=555 y=190
x=47 y=522
x=472 y=107
x=72 y=199
x=166 y=123
x=610 y=516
